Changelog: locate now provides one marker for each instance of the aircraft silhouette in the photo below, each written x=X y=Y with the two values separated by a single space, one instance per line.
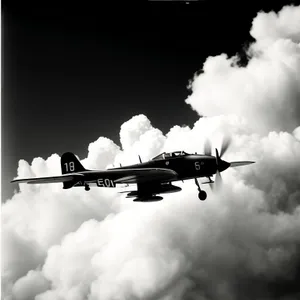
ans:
x=153 y=177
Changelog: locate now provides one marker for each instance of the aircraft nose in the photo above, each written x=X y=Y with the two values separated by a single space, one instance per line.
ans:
x=224 y=165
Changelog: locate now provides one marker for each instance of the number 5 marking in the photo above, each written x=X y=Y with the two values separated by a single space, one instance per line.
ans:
x=197 y=165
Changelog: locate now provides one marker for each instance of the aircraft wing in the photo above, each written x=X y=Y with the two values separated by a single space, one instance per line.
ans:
x=240 y=163
x=52 y=179
x=121 y=176
x=140 y=175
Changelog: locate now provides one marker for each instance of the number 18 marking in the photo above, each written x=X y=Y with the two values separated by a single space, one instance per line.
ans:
x=70 y=167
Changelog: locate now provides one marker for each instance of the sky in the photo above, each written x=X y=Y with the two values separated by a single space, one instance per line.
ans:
x=242 y=242
x=63 y=69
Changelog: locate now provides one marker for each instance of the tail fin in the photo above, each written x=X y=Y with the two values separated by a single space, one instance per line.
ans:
x=70 y=164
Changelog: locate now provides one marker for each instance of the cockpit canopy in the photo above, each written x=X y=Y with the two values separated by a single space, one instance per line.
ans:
x=165 y=155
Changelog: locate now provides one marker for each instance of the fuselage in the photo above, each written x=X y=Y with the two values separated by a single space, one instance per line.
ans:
x=152 y=177
x=186 y=167
x=189 y=166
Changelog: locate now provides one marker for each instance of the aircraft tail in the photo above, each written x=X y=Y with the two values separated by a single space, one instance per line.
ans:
x=70 y=164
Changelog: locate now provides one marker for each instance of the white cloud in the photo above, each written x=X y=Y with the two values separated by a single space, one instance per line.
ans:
x=266 y=92
x=296 y=133
x=269 y=27
x=29 y=286
x=241 y=243
x=139 y=137
x=101 y=153
x=132 y=130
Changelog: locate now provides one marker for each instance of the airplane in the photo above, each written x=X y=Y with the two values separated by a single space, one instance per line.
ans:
x=153 y=177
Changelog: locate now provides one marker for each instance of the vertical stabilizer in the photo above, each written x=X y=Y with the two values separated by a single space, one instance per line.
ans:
x=70 y=164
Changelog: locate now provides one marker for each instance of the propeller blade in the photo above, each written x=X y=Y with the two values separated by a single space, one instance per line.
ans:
x=225 y=144
x=207 y=147
x=241 y=163
x=218 y=181
x=217 y=157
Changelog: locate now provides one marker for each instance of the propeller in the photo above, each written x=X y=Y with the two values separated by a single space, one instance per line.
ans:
x=218 y=181
x=221 y=164
x=225 y=144
x=216 y=185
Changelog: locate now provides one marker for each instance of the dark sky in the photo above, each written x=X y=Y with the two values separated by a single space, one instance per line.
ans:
x=72 y=74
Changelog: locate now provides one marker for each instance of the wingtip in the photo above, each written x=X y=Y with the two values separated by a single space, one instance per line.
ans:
x=16 y=181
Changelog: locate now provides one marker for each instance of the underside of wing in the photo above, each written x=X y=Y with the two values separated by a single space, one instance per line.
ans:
x=143 y=175
x=52 y=179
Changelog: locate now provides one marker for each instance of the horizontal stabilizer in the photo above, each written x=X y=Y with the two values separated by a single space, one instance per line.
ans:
x=52 y=179
x=240 y=163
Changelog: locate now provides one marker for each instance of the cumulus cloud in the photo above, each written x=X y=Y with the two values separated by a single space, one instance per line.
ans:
x=269 y=27
x=29 y=286
x=266 y=92
x=101 y=153
x=241 y=243
x=139 y=137
x=296 y=133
